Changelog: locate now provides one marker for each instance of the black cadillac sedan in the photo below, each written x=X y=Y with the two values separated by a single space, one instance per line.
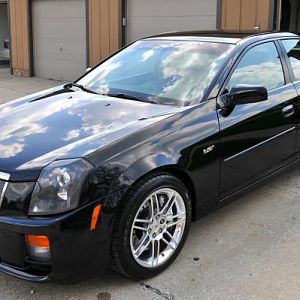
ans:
x=110 y=170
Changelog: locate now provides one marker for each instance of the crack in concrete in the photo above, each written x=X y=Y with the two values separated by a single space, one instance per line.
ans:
x=167 y=296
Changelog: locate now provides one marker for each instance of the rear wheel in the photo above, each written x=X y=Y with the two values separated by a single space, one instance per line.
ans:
x=152 y=226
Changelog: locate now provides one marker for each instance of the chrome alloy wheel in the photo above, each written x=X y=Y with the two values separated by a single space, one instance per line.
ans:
x=158 y=228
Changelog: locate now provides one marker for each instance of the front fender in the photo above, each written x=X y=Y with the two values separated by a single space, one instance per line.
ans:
x=145 y=165
x=178 y=143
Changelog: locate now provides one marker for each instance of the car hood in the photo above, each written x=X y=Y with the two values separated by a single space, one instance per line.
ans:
x=68 y=124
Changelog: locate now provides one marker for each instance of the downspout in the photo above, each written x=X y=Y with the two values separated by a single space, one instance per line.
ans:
x=279 y=14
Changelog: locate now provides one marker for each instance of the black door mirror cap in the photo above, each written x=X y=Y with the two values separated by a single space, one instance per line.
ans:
x=244 y=94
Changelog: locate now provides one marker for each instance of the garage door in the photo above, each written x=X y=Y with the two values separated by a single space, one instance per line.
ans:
x=146 y=17
x=59 y=38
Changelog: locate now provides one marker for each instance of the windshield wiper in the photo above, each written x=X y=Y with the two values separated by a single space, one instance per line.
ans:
x=129 y=97
x=83 y=88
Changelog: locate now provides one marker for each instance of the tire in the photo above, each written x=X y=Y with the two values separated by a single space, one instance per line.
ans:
x=143 y=251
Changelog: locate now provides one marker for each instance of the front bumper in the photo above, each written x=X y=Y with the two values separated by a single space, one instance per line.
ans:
x=76 y=251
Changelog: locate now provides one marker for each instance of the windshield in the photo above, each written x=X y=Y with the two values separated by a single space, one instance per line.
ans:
x=166 y=72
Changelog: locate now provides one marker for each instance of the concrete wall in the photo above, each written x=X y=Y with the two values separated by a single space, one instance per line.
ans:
x=4 y=34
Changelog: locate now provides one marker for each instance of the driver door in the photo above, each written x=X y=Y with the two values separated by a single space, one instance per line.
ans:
x=257 y=138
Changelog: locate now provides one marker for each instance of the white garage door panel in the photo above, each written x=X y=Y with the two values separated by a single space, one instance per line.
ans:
x=186 y=23
x=59 y=9
x=49 y=66
x=60 y=29
x=48 y=49
x=172 y=7
x=146 y=17
x=59 y=38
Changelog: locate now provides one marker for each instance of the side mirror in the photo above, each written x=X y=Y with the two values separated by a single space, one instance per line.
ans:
x=244 y=94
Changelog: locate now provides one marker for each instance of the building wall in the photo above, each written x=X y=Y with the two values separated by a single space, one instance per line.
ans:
x=104 y=32
x=104 y=29
x=103 y=18
x=245 y=14
x=3 y=24
x=19 y=27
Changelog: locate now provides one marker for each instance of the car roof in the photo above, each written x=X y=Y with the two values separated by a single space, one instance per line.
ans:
x=220 y=36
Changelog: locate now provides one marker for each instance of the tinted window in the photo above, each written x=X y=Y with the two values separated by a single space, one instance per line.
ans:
x=169 y=72
x=261 y=65
x=292 y=48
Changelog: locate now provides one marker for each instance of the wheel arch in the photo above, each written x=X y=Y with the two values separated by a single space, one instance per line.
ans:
x=180 y=173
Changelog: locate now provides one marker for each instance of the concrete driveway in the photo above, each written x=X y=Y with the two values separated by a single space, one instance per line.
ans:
x=248 y=250
x=13 y=87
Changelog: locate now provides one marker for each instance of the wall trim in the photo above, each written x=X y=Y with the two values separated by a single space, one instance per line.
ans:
x=30 y=38
x=123 y=28
x=87 y=30
x=120 y=24
x=278 y=14
x=272 y=15
x=10 y=39
x=219 y=15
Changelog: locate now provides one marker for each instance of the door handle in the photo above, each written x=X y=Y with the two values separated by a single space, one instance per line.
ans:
x=288 y=111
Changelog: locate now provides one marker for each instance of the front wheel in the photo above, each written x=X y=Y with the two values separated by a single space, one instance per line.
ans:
x=152 y=226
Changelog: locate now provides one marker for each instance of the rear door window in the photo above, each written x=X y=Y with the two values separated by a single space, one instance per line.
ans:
x=292 y=48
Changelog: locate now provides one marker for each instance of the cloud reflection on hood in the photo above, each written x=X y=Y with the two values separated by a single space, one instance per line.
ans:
x=58 y=125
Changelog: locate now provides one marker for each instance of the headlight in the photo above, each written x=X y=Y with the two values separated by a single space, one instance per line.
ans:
x=59 y=187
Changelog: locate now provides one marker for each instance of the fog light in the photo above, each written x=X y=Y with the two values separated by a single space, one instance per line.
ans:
x=38 y=247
